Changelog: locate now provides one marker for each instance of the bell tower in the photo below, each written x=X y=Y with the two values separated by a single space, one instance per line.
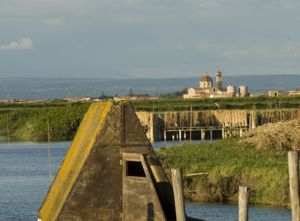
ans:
x=219 y=80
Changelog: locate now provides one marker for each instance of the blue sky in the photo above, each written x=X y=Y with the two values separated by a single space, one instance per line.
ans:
x=148 y=38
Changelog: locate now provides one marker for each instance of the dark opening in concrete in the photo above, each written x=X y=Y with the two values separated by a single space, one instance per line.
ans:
x=134 y=168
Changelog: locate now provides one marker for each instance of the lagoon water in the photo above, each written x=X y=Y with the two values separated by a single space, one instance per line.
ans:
x=24 y=181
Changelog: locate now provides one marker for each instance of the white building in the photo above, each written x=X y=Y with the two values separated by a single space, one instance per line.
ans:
x=207 y=90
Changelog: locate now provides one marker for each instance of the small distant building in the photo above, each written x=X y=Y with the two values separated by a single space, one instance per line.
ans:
x=274 y=93
x=122 y=98
x=194 y=92
x=204 y=90
x=9 y=100
x=86 y=99
x=207 y=90
x=219 y=80
x=206 y=81
x=244 y=91
x=294 y=92
x=231 y=91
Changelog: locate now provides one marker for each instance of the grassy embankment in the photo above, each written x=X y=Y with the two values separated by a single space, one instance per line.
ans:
x=30 y=121
x=229 y=164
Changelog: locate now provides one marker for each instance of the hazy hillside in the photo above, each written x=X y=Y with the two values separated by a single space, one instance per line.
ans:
x=49 y=88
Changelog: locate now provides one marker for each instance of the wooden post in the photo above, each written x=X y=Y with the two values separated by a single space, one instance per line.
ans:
x=211 y=135
x=178 y=194
x=179 y=134
x=202 y=134
x=243 y=203
x=293 y=158
x=191 y=123
x=165 y=135
x=7 y=128
x=223 y=132
x=241 y=132
x=49 y=153
x=253 y=120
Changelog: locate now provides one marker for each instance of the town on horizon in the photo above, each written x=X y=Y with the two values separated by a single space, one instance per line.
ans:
x=207 y=88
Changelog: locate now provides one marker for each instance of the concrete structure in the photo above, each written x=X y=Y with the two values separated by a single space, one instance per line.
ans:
x=231 y=91
x=110 y=172
x=206 y=82
x=219 y=80
x=207 y=90
x=243 y=91
x=274 y=93
x=209 y=124
x=294 y=92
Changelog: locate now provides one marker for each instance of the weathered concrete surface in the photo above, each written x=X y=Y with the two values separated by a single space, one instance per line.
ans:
x=74 y=161
x=139 y=193
x=92 y=182
x=150 y=122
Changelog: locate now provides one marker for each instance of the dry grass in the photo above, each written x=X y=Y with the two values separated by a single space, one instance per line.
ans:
x=278 y=136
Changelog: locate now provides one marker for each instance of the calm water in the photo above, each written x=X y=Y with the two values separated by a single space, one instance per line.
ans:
x=24 y=181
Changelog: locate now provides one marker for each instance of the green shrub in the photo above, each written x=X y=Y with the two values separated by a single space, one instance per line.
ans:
x=28 y=123
x=228 y=164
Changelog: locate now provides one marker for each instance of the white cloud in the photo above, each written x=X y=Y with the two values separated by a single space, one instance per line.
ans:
x=23 y=43
x=54 y=22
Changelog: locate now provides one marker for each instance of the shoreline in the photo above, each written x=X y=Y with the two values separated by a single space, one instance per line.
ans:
x=264 y=171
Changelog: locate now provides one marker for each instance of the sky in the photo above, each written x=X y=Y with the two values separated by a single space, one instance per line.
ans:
x=148 y=38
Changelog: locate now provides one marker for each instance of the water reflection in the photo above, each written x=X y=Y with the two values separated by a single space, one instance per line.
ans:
x=24 y=181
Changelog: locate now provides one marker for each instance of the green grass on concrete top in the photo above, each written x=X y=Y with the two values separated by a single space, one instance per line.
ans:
x=229 y=165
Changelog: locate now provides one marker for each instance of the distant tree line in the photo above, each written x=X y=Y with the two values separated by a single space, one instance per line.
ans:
x=131 y=93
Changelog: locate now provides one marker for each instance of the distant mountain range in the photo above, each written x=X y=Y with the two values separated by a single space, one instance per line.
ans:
x=51 y=88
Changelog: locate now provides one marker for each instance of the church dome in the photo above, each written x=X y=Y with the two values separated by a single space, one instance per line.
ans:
x=206 y=78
